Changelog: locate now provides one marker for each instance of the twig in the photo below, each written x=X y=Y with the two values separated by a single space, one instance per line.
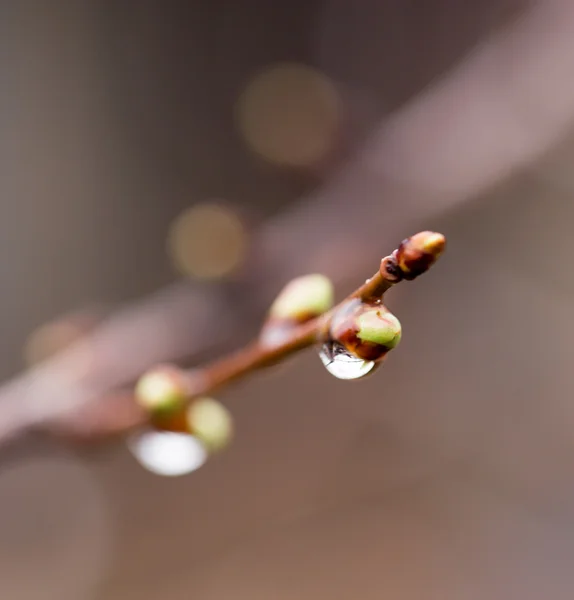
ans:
x=413 y=257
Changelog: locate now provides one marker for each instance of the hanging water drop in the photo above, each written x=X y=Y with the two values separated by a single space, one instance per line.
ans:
x=343 y=365
x=167 y=453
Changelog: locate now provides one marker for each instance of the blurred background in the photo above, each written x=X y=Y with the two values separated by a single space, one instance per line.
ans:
x=166 y=168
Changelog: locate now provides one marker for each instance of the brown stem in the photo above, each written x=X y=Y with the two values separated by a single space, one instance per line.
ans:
x=387 y=276
x=421 y=250
x=255 y=356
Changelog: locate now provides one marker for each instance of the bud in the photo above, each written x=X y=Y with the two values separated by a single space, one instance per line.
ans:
x=418 y=253
x=303 y=298
x=365 y=330
x=211 y=423
x=162 y=390
x=379 y=326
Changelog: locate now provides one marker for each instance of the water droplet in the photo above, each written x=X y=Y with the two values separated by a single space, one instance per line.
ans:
x=167 y=453
x=343 y=365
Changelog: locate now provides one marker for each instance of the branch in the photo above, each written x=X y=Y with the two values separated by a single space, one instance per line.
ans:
x=414 y=257
x=360 y=326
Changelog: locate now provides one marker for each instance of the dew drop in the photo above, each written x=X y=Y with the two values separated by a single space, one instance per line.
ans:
x=167 y=453
x=343 y=365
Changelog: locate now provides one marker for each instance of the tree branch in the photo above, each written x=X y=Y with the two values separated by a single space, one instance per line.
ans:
x=163 y=394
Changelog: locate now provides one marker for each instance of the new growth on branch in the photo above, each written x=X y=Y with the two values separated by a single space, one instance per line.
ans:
x=354 y=337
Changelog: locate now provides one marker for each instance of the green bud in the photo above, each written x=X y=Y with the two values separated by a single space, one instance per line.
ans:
x=162 y=390
x=379 y=326
x=303 y=298
x=211 y=423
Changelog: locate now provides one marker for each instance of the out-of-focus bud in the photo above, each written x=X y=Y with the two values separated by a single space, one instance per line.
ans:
x=211 y=423
x=303 y=298
x=378 y=326
x=418 y=253
x=162 y=390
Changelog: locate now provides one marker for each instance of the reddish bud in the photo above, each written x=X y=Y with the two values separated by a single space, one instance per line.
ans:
x=418 y=253
x=367 y=331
